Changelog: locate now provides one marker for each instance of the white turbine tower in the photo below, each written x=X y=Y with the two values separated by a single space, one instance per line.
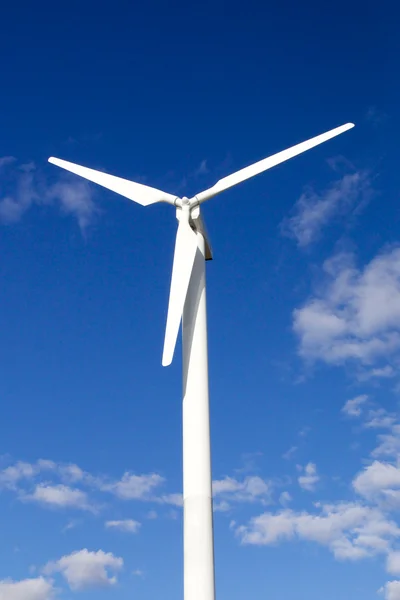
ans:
x=187 y=302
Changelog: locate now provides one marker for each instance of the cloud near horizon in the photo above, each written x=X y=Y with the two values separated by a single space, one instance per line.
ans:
x=312 y=211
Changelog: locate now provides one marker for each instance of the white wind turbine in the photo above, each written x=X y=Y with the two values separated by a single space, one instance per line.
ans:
x=187 y=301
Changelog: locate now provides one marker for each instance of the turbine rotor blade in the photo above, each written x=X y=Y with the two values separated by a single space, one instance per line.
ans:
x=137 y=192
x=184 y=257
x=267 y=163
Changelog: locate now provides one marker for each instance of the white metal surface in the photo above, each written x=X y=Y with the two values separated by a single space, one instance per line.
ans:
x=184 y=255
x=267 y=163
x=197 y=491
x=143 y=194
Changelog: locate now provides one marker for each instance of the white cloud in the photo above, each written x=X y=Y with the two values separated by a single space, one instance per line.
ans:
x=12 y=475
x=309 y=480
x=75 y=199
x=379 y=419
x=27 y=589
x=341 y=322
x=134 y=487
x=126 y=525
x=14 y=204
x=251 y=489
x=393 y=563
x=27 y=187
x=174 y=499
x=312 y=211
x=351 y=531
x=222 y=506
x=391 y=590
x=379 y=482
x=85 y=569
x=59 y=496
x=389 y=444
x=352 y=408
x=47 y=483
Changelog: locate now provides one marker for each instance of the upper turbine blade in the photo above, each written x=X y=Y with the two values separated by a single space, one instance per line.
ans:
x=184 y=256
x=267 y=163
x=137 y=192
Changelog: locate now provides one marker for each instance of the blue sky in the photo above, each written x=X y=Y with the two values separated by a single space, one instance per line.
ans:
x=303 y=298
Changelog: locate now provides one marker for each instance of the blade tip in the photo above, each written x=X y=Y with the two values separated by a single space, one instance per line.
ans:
x=166 y=359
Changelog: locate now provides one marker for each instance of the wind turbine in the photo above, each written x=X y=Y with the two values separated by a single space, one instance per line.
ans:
x=187 y=302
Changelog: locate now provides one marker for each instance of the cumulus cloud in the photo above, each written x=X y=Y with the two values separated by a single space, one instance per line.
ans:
x=391 y=590
x=11 y=476
x=393 y=563
x=59 y=496
x=353 y=407
x=389 y=443
x=24 y=186
x=85 y=569
x=126 y=525
x=310 y=478
x=27 y=589
x=379 y=483
x=351 y=531
x=134 y=487
x=341 y=322
x=314 y=211
x=59 y=485
x=251 y=489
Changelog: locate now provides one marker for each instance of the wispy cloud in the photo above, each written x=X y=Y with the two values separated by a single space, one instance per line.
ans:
x=285 y=498
x=290 y=453
x=126 y=525
x=6 y=160
x=313 y=211
x=309 y=479
x=24 y=185
x=376 y=116
x=354 y=406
